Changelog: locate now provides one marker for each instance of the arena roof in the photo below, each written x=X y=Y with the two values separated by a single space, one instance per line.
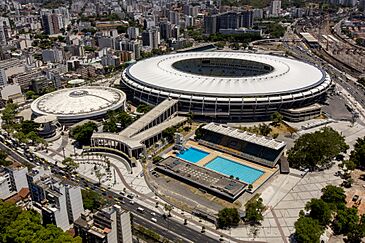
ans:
x=286 y=76
x=79 y=103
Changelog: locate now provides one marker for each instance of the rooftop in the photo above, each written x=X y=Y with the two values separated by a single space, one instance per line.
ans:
x=80 y=102
x=245 y=136
x=205 y=178
x=285 y=75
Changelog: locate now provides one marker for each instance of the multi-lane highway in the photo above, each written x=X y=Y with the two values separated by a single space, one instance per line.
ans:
x=165 y=226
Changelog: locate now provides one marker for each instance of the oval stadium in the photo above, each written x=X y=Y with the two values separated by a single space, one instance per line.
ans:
x=229 y=84
x=75 y=104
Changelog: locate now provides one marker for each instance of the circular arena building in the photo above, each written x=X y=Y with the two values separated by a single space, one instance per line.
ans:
x=227 y=84
x=75 y=104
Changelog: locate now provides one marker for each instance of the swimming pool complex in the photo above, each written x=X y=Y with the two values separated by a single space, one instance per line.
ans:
x=229 y=167
x=192 y=155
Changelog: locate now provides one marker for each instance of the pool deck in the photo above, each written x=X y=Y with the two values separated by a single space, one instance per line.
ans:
x=268 y=172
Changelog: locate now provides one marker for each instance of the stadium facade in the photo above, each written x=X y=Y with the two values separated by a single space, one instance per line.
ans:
x=230 y=85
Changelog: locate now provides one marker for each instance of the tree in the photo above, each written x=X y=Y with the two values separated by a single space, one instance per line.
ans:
x=319 y=210
x=25 y=226
x=199 y=132
x=70 y=164
x=168 y=208
x=92 y=200
x=346 y=221
x=99 y=175
x=313 y=150
x=254 y=209
x=169 y=133
x=264 y=129
x=228 y=217
x=34 y=138
x=143 y=108
x=117 y=121
x=276 y=118
x=350 y=165
x=358 y=154
x=357 y=233
x=29 y=126
x=307 y=230
x=334 y=196
x=30 y=94
x=8 y=213
x=3 y=156
x=8 y=114
x=83 y=133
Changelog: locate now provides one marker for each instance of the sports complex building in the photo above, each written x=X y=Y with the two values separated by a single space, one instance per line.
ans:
x=229 y=84
x=76 y=104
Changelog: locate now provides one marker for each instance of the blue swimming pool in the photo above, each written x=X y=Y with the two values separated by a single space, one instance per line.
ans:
x=229 y=167
x=192 y=155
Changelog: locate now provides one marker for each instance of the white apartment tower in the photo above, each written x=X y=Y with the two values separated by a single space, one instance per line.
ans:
x=12 y=180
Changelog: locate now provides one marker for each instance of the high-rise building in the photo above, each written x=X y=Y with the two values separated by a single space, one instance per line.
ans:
x=106 y=42
x=110 y=225
x=210 y=24
x=133 y=32
x=52 y=55
x=275 y=8
x=154 y=36
x=246 y=19
x=174 y=17
x=3 y=40
x=145 y=38
x=51 y=23
x=165 y=30
x=12 y=179
x=228 y=20
x=59 y=201
x=4 y=30
x=258 y=13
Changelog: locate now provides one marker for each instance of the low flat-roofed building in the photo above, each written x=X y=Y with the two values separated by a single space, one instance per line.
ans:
x=207 y=180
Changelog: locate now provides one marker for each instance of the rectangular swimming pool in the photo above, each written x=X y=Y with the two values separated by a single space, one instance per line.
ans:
x=229 y=167
x=192 y=155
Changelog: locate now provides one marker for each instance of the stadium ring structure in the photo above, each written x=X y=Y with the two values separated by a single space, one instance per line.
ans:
x=75 y=104
x=226 y=84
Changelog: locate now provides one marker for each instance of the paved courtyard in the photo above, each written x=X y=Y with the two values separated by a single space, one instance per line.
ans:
x=285 y=197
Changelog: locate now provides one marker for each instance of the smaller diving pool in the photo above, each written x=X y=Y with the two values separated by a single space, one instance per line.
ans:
x=231 y=168
x=192 y=155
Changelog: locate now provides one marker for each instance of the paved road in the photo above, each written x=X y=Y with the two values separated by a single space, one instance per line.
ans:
x=168 y=227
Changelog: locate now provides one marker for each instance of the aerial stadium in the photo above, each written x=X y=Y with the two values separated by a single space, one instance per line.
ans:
x=76 y=104
x=229 y=84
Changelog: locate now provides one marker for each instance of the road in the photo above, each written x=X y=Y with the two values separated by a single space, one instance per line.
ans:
x=166 y=227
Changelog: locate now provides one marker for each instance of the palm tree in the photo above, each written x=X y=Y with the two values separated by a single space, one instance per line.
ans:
x=99 y=175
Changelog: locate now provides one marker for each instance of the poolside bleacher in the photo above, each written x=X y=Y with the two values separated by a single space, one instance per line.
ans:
x=255 y=148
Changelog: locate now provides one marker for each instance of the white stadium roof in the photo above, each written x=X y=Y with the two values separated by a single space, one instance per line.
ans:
x=287 y=76
x=79 y=103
